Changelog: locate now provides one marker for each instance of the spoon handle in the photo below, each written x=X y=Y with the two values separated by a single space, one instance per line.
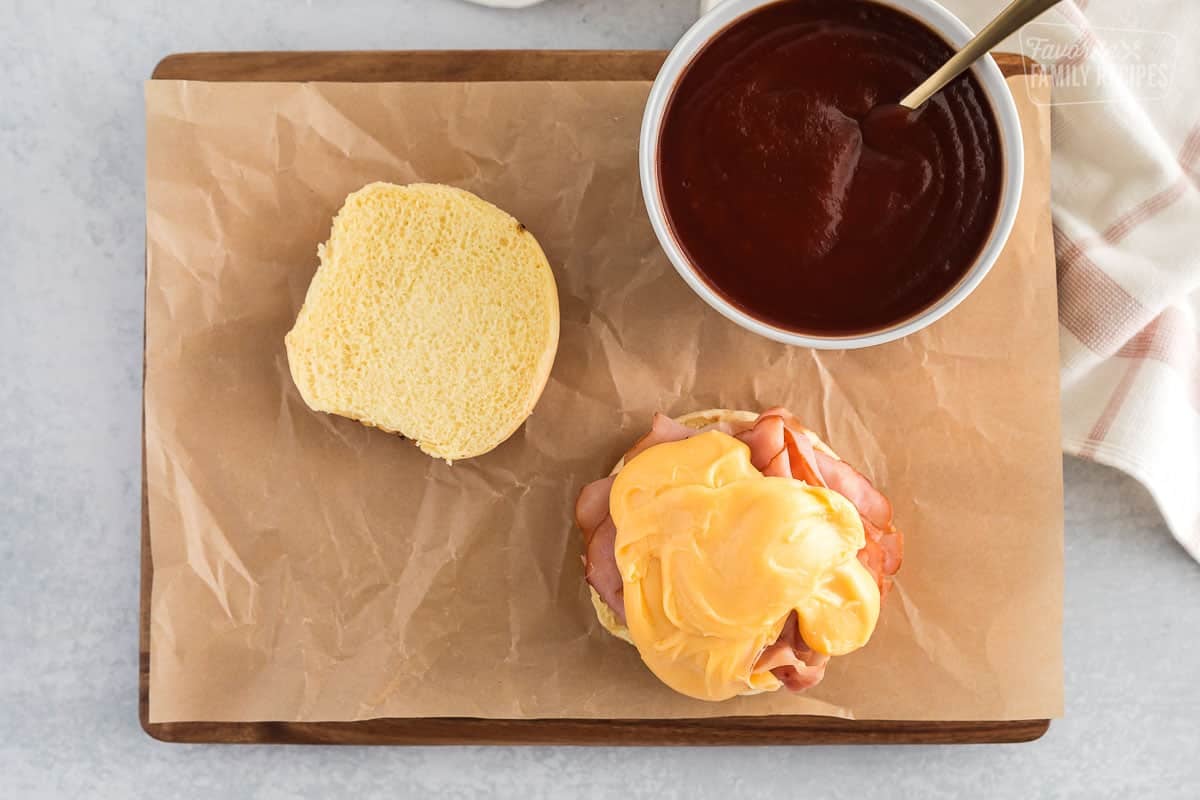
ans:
x=1008 y=22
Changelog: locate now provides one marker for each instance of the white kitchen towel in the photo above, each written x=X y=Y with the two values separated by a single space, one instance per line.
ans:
x=1126 y=200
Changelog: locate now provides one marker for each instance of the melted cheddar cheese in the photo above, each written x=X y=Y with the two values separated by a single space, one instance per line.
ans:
x=714 y=557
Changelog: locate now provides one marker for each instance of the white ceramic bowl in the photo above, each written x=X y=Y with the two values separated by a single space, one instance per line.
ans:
x=998 y=95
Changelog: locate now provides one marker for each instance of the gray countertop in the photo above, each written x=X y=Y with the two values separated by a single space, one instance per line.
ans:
x=71 y=179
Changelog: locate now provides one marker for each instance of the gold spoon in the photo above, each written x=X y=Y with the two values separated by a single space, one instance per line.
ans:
x=1008 y=22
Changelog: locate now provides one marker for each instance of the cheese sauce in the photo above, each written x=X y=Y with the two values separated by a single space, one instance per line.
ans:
x=714 y=557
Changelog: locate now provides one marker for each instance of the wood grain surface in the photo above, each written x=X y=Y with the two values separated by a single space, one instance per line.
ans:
x=509 y=65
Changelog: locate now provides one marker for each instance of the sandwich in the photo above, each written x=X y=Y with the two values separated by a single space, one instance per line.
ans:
x=433 y=314
x=737 y=552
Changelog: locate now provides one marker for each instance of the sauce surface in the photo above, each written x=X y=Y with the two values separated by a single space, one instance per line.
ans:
x=806 y=199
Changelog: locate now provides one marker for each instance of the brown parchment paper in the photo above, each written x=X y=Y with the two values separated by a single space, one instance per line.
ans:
x=307 y=568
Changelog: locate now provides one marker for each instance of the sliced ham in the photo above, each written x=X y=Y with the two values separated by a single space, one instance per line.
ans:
x=600 y=542
x=779 y=447
x=792 y=423
x=803 y=458
x=882 y=554
x=662 y=429
x=778 y=467
x=884 y=548
x=592 y=506
x=850 y=484
x=600 y=567
x=765 y=440
x=791 y=660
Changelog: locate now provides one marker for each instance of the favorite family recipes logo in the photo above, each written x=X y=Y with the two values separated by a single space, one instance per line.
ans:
x=1098 y=65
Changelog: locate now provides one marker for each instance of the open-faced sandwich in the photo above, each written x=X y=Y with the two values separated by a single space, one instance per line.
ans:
x=737 y=552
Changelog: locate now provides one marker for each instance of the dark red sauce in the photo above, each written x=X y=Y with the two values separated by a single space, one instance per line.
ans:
x=802 y=201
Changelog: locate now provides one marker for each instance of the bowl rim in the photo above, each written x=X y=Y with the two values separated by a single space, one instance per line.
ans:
x=995 y=89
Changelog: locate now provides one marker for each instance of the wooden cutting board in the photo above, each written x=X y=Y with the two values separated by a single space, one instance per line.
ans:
x=511 y=65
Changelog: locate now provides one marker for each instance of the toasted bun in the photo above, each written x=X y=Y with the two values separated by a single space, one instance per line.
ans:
x=433 y=314
x=696 y=419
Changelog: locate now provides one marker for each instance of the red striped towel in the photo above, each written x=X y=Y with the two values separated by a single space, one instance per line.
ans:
x=1126 y=199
